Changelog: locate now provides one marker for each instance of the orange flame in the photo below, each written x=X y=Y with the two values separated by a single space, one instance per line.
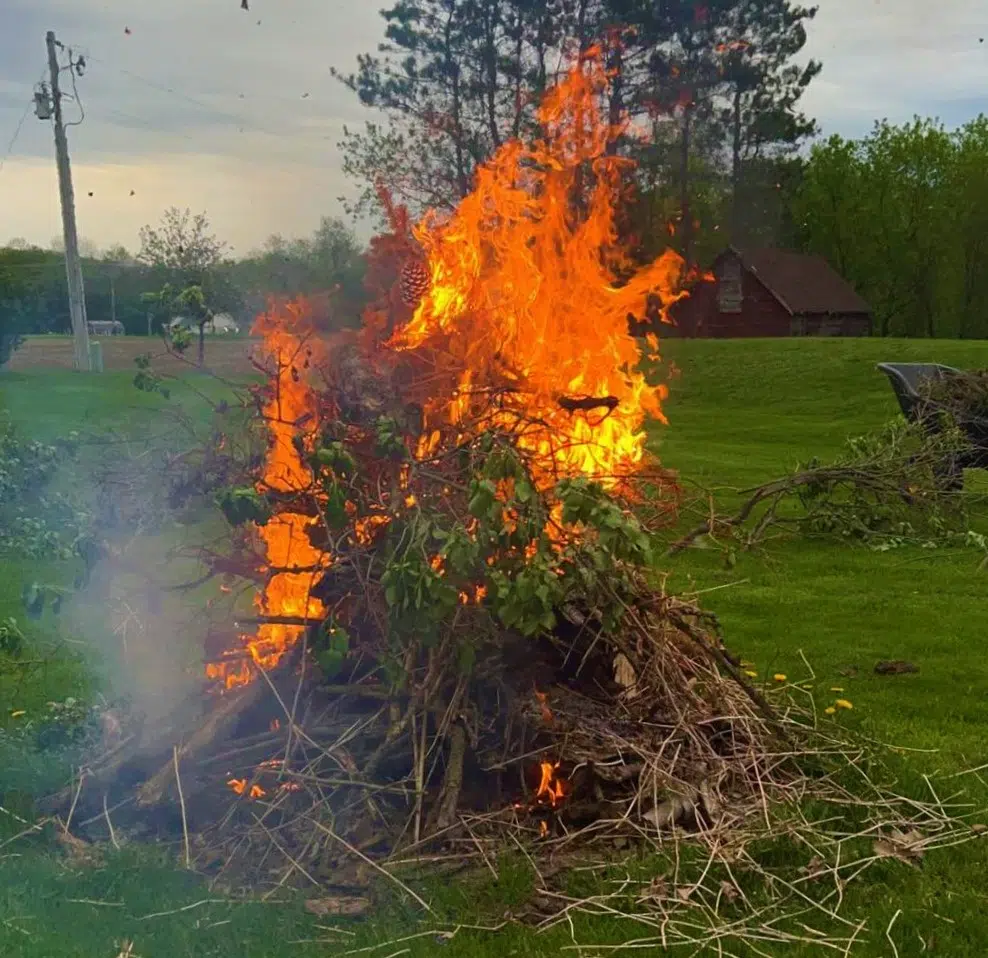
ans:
x=552 y=790
x=239 y=786
x=290 y=412
x=530 y=297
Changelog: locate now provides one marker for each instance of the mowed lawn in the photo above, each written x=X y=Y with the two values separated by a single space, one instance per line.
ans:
x=740 y=413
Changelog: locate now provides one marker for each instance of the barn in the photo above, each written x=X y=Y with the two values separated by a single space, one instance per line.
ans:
x=772 y=292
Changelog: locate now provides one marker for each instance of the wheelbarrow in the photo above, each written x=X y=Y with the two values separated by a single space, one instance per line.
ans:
x=906 y=379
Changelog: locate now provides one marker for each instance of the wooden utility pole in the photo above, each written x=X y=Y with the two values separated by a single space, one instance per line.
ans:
x=73 y=265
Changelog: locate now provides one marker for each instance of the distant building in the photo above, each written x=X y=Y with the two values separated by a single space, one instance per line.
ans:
x=222 y=324
x=772 y=292
x=105 y=327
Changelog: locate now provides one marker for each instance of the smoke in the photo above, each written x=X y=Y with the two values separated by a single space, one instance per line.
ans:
x=144 y=607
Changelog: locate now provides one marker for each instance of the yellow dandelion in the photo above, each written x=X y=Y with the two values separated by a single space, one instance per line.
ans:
x=843 y=704
x=750 y=674
x=829 y=710
x=779 y=677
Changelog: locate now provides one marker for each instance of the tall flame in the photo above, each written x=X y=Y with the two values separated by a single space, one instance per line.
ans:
x=291 y=413
x=530 y=297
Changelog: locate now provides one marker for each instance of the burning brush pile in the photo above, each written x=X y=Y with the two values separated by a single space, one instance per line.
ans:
x=457 y=627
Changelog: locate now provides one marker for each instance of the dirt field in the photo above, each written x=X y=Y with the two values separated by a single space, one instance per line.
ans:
x=225 y=357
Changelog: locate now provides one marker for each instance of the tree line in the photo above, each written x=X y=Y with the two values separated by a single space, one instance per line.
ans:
x=179 y=253
x=903 y=214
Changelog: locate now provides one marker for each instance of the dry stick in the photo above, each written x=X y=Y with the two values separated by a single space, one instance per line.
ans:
x=454 y=776
x=181 y=802
x=370 y=861
x=75 y=798
x=109 y=824
x=295 y=864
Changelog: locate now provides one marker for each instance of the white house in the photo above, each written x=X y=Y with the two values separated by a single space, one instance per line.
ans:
x=222 y=324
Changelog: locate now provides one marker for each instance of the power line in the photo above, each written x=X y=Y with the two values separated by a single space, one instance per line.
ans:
x=17 y=133
x=19 y=127
x=201 y=104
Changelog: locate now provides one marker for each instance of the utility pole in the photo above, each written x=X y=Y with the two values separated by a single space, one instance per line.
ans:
x=73 y=265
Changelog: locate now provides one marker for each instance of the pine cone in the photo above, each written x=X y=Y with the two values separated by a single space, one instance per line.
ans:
x=414 y=282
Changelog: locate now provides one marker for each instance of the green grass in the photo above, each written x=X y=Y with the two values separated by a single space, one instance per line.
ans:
x=740 y=413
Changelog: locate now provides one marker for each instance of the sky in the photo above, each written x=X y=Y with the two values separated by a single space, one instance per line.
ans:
x=201 y=104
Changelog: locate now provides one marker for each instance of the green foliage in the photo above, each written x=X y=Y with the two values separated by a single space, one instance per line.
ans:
x=327 y=266
x=147 y=380
x=34 y=521
x=11 y=639
x=330 y=646
x=888 y=494
x=242 y=505
x=903 y=214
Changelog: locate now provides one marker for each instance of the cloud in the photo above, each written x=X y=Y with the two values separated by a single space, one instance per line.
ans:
x=203 y=104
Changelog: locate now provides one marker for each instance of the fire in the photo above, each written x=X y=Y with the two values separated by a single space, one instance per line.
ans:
x=552 y=790
x=291 y=414
x=522 y=303
x=239 y=786
x=524 y=323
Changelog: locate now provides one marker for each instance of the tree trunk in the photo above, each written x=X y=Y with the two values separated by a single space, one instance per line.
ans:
x=736 y=169
x=686 y=215
x=202 y=343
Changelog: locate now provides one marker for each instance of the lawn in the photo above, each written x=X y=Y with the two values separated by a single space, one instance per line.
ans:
x=739 y=413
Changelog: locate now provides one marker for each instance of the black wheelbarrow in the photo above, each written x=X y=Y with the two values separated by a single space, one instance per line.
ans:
x=906 y=379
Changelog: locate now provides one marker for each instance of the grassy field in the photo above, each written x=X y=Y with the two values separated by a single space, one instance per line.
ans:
x=740 y=413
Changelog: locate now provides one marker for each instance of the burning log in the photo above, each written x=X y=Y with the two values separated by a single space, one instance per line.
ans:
x=589 y=403
x=216 y=724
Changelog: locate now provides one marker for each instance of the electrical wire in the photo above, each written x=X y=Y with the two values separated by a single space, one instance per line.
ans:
x=17 y=133
x=201 y=104
x=75 y=94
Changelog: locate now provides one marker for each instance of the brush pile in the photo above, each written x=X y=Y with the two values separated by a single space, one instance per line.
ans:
x=964 y=395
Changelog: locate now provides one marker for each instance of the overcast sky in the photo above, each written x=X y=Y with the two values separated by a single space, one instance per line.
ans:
x=198 y=103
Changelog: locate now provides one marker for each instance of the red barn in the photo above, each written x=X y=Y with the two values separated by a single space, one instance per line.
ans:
x=772 y=292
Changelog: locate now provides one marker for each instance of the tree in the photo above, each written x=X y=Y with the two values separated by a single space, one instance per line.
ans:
x=329 y=264
x=182 y=243
x=455 y=79
x=763 y=89
x=32 y=292
x=184 y=254
x=967 y=207
x=885 y=210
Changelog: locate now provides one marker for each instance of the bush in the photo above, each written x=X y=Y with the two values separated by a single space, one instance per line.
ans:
x=33 y=521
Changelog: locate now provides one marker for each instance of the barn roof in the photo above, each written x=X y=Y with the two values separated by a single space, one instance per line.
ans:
x=803 y=284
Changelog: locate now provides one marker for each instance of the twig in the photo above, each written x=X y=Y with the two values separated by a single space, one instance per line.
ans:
x=75 y=799
x=109 y=824
x=181 y=801
x=178 y=911
x=370 y=861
